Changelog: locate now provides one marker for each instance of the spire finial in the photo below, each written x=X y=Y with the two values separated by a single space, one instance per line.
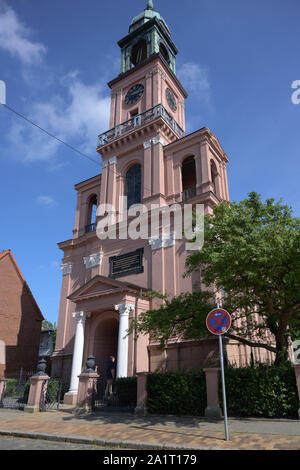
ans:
x=150 y=5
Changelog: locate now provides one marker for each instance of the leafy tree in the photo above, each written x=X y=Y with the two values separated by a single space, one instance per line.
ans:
x=252 y=253
x=182 y=317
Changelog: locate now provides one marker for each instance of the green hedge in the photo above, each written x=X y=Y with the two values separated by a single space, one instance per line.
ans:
x=263 y=391
x=11 y=386
x=126 y=389
x=177 y=393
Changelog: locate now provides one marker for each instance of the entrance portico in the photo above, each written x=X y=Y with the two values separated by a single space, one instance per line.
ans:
x=105 y=308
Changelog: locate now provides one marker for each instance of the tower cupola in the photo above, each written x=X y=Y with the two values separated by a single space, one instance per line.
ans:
x=148 y=34
x=148 y=14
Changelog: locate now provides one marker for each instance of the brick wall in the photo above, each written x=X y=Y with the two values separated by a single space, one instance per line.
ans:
x=20 y=320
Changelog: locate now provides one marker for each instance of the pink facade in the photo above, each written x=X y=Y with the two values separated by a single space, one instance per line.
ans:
x=147 y=130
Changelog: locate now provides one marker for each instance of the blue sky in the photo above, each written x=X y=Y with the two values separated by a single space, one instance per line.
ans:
x=237 y=60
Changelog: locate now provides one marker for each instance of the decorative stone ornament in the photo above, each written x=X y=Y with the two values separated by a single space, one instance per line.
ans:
x=111 y=161
x=41 y=367
x=66 y=269
x=156 y=140
x=163 y=241
x=93 y=260
x=90 y=364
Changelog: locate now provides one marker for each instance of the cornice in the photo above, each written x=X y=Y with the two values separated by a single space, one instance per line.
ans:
x=87 y=182
x=150 y=59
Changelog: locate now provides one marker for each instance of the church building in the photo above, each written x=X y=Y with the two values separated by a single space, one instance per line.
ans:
x=148 y=157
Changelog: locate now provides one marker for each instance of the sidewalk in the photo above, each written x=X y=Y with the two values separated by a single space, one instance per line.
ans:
x=152 y=432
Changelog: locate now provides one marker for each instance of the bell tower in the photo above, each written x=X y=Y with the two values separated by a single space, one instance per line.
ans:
x=147 y=87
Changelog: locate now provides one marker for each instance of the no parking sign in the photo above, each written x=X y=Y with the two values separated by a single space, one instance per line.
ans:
x=218 y=321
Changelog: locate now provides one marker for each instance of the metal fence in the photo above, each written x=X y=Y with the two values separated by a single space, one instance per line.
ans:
x=50 y=394
x=15 y=395
x=121 y=396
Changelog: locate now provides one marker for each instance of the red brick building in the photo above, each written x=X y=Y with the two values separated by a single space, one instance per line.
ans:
x=20 y=320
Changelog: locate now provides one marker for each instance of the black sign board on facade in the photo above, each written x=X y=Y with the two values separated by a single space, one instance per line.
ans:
x=124 y=265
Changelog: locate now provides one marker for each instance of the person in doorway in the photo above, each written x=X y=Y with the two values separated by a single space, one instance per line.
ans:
x=110 y=374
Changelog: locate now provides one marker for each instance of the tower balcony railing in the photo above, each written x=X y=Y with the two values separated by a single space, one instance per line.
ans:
x=90 y=228
x=139 y=120
x=189 y=193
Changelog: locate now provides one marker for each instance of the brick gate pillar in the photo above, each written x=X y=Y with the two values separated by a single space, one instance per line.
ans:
x=297 y=373
x=35 y=393
x=86 y=391
x=2 y=390
x=141 y=405
x=213 y=409
x=87 y=387
x=36 y=388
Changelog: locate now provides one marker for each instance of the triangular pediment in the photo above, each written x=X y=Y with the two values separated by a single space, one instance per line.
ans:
x=100 y=286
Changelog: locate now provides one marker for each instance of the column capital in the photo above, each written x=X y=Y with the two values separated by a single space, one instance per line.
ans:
x=124 y=309
x=93 y=260
x=81 y=316
x=66 y=269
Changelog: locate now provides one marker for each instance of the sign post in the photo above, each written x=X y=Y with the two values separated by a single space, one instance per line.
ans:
x=218 y=322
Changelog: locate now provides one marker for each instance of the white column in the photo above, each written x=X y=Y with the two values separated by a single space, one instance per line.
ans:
x=78 y=350
x=122 y=358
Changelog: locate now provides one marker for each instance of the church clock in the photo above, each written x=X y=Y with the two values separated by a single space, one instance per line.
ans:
x=171 y=99
x=134 y=94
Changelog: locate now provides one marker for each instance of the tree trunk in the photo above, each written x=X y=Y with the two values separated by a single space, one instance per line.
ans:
x=282 y=354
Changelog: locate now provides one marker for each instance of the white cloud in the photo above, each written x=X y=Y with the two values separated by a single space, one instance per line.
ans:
x=15 y=38
x=76 y=116
x=76 y=113
x=46 y=201
x=195 y=79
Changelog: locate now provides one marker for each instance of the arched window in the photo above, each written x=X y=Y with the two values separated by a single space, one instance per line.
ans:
x=133 y=186
x=91 y=215
x=139 y=52
x=163 y=51
x=188 y=174
x=214 y=175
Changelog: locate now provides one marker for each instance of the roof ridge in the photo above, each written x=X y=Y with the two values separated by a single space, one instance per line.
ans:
x=17 y=268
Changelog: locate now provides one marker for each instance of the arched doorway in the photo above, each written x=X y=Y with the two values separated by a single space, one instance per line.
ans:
x=105 y=342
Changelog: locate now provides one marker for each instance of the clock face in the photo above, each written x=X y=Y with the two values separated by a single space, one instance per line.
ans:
x=171 y=99
x=134 y=94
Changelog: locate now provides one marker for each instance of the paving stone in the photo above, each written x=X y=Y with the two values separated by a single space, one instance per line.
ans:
x=157 y=432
